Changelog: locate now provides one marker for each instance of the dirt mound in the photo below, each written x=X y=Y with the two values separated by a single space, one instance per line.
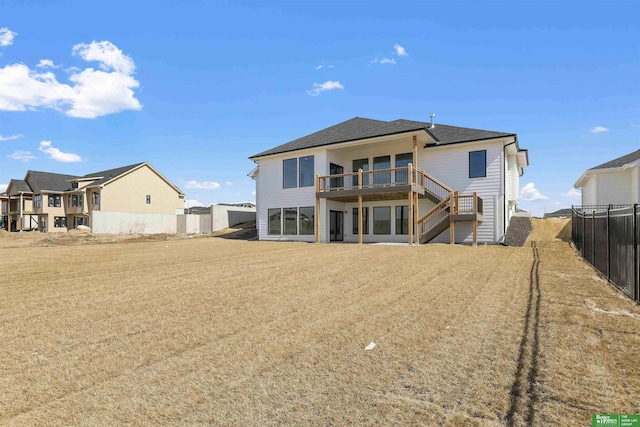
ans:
x=244 y=231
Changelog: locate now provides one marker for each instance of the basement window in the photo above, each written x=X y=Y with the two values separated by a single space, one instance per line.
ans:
x=275 y=224
x=382 y=220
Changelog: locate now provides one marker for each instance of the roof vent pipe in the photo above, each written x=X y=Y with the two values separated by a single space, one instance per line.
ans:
x=432 y=115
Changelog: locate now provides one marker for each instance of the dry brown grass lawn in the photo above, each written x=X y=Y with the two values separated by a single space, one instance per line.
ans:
x=223 y=332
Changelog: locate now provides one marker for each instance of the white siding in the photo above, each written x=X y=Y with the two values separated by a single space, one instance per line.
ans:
x=270 y=194
x=589 y=191
x=450 y=164
x=614 y=187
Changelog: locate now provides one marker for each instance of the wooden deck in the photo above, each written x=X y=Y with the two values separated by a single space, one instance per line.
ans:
x=404 y=183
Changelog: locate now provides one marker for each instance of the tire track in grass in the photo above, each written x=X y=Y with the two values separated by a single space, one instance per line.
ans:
x=529 y=352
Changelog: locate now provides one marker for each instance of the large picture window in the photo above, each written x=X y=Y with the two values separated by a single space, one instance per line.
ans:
x=290 y=221
x=307 y=220
x=382 y=220
x=37 y=201
x=290 y=173
x=364 y=165
x=275 y=223
x=365 y=220
x=402 y=161
x=306 y=171
x=382 y=162
x=402 y=219
x=478 y=164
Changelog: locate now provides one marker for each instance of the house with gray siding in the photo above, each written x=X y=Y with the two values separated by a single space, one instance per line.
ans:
x=367 y=180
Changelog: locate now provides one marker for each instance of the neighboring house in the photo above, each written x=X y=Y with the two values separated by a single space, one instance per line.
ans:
x=48 y=199
x=129 y=199
x=366 y=180
x=17 y=207
x=616 y=182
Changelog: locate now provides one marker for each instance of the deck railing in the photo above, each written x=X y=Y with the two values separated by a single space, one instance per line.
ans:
x=435 y=216
x=389 y=177
x=365 y=179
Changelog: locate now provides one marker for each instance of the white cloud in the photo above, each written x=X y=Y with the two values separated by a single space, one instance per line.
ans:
x=10 y=137
x=92 y=93
x=202 y=185
x=228 y=183
x=191 y=203
x=3 y=187
x=319 y=67
x=253 y=193
x=57 y=155
x=384 y=61
x=400 y=51
x=107 y=55
x=46 y=63
x=23 y=156
x=328 y=85
x=6 y=36
x=573 y=194
x=598 y=129
x=530 y=193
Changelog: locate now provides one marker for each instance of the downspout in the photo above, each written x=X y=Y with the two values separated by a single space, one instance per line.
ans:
x=21 y=213
x=504 y=192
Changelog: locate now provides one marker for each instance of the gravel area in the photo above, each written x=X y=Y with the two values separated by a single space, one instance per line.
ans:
x=518 y=231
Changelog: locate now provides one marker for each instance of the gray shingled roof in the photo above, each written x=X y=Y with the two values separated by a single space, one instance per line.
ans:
x=620 y=161
x=47 y=181
x=361 y=128
x=109 y=174
x=21 y=186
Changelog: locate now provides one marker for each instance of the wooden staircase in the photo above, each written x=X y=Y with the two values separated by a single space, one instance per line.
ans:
x=450 y=207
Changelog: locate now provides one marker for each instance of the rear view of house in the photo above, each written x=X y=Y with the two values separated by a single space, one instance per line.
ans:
x=366 y=180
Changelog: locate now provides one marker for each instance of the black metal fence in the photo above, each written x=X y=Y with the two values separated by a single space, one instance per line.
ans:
x=608 y=237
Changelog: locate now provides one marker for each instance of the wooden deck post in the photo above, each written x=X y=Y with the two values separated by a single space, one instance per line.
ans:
x=453 y=211
x=317 y=218
x=410 y=175
x=415 y=213
x=475 y=220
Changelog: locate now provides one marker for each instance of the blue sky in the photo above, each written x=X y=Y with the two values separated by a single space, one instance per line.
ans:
x=196 y=87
